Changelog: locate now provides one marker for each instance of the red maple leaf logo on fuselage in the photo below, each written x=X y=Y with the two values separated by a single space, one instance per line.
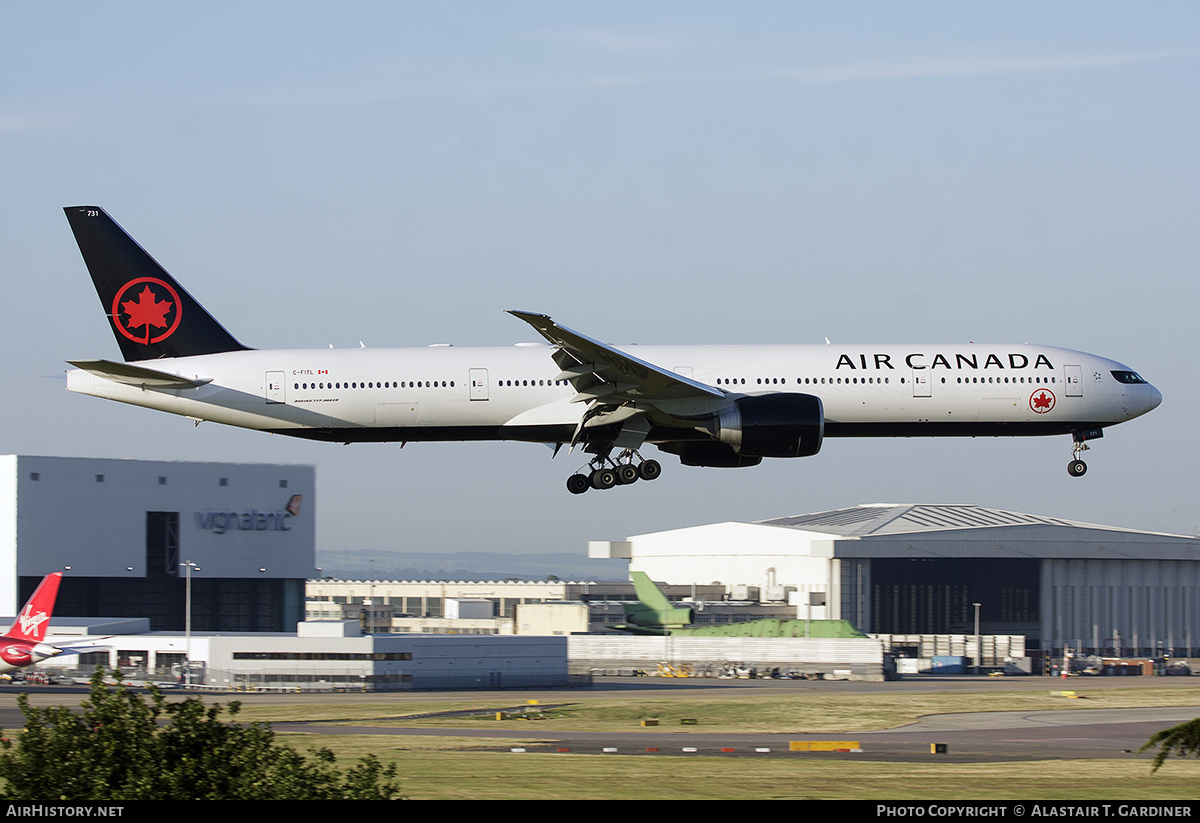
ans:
x=1041 y=401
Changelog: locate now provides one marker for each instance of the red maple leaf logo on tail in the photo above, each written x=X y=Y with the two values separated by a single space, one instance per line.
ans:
x=146 y=312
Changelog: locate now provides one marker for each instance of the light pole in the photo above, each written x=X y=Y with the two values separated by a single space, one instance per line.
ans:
x=369 y=604
x=187 y=622
x=978 y=645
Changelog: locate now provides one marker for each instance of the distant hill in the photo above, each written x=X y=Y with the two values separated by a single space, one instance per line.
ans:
x=391 y=565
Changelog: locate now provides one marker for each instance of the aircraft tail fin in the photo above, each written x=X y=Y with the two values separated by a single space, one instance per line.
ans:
x=152 y=316
x=655 y=609
x=648 y=593
x=31 y=623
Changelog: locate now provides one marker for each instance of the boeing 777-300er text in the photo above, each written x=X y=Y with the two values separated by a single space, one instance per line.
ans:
x=24 y=644
x=709 y=405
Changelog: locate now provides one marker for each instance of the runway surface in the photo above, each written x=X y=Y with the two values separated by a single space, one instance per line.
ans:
x=974 y=737
x=968 y=737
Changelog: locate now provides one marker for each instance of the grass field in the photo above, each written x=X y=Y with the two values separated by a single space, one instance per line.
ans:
x=455 y=768
x=803 y=713
x=429 y=773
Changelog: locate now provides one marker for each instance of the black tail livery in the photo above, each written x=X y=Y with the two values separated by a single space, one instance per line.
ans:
x=152 y=315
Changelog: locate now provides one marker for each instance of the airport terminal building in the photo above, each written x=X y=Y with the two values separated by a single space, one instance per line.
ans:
x=911 y=570
x=332 y=655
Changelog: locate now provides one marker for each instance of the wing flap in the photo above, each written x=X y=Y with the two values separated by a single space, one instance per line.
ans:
x=607 y=391
x=573 y=372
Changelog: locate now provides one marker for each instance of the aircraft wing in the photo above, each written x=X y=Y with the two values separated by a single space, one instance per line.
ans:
x=132 y=375
x=620 y=388
x=620 y=375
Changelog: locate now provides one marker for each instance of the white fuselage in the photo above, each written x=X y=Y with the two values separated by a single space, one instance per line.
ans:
x=512 y=393
x=17 y=654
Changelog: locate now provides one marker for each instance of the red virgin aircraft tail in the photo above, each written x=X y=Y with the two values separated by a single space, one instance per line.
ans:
x=31 y=623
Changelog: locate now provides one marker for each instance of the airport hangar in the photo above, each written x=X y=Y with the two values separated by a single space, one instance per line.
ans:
x=911 y=570
x=127 y=533
x=123 y=532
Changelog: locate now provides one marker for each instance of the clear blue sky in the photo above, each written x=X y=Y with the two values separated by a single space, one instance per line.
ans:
x=402 y=172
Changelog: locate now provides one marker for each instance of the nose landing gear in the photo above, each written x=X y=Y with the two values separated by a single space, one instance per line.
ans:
x=605 y=473
x=1077 y=468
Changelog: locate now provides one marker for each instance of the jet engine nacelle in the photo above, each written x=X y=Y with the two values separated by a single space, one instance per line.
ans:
x=772 y=425
x=709 y=453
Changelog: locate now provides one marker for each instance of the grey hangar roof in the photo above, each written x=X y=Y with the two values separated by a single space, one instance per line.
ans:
x=940 y=530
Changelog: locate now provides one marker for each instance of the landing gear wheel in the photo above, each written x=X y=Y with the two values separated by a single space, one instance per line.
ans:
x=603 y=479
x=650 y=470
x=578 y=483
x=627 y=473
x=1076 y=468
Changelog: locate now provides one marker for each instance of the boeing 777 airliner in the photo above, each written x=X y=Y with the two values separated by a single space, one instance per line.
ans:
x=709 y=405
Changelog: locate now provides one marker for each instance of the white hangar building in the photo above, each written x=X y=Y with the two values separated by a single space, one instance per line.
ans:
x=123 y=530
x=919 y=569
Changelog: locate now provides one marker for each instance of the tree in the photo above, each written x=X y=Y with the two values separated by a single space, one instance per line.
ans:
x=1183 y=740
x=116 y=748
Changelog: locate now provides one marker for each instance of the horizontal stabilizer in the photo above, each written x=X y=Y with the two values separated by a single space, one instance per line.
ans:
x=84 y=649
x=132 y=375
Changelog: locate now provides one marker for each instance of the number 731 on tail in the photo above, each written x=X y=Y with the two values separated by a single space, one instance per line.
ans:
x=727 y=406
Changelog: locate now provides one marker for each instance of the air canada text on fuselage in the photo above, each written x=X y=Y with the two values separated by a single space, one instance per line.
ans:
x=919 y=360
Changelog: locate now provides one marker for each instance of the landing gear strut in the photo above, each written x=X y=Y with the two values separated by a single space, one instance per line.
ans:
x=1077 y=468
x=604 y=472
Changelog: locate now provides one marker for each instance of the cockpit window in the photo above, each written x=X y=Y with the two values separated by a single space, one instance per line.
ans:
x=1128 y=377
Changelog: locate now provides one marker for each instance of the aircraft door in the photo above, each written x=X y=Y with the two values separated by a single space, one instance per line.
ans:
x=274 y=387
x=921 y=385
x=478 y=380
x=1074 y=380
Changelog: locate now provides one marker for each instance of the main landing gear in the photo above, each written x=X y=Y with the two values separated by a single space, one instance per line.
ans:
x=605 y=473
